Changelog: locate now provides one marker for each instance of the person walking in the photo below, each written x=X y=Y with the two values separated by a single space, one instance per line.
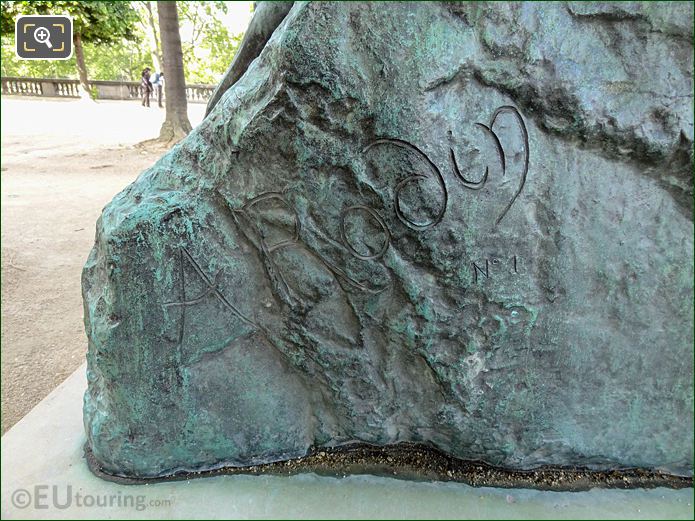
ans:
x=159 y=85
x=146 y=85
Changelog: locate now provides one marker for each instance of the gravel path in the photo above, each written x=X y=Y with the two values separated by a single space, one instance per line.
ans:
x=62 y=161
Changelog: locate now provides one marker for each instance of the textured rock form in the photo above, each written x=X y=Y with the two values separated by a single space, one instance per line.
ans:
x=465 y=225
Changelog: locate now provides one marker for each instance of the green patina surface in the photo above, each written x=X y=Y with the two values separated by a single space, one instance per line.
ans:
x=230 y=322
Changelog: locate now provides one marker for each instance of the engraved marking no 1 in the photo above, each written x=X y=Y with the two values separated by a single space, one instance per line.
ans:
x=513 y=264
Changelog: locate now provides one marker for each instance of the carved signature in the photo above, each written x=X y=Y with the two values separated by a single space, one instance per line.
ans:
x=248 y=222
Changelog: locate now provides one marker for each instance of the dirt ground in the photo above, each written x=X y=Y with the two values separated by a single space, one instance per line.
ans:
x=62 y=161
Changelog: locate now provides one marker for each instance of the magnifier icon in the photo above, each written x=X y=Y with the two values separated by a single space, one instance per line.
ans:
x=43 y=35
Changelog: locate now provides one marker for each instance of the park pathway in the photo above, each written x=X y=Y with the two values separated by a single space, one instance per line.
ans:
x=62 y=161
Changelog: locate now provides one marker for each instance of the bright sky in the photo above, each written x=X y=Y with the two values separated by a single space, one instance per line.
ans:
x=236 y=20
x=238 y=16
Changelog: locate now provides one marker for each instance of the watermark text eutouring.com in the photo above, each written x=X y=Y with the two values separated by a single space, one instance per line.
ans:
x=62 y=497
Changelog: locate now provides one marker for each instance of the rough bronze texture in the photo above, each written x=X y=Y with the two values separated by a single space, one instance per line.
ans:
x=465 y=225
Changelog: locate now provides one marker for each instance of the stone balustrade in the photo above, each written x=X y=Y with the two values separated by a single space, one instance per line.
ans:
x=113 y=90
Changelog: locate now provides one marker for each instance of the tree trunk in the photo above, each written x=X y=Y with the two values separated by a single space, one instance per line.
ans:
x=85 y=92
x=176 y=126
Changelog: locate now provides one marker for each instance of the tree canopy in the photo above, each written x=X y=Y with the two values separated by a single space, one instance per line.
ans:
x=119 y=40
x=95 y=22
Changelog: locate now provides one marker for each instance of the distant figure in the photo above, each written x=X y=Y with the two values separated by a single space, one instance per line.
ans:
x=146 y=87
x=159 y=84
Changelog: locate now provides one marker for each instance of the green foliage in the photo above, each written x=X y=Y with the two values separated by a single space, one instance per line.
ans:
x=95 y=22
x=10 y=65
x=116 y=50
x=117 y=61
x=209 y=48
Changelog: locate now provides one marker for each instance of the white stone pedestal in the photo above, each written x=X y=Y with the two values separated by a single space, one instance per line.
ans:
x=44 y=476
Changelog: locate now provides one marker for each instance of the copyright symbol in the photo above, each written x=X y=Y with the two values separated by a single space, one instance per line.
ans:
x=21 y=498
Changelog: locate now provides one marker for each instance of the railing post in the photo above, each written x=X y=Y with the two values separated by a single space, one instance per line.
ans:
x=48 y=89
